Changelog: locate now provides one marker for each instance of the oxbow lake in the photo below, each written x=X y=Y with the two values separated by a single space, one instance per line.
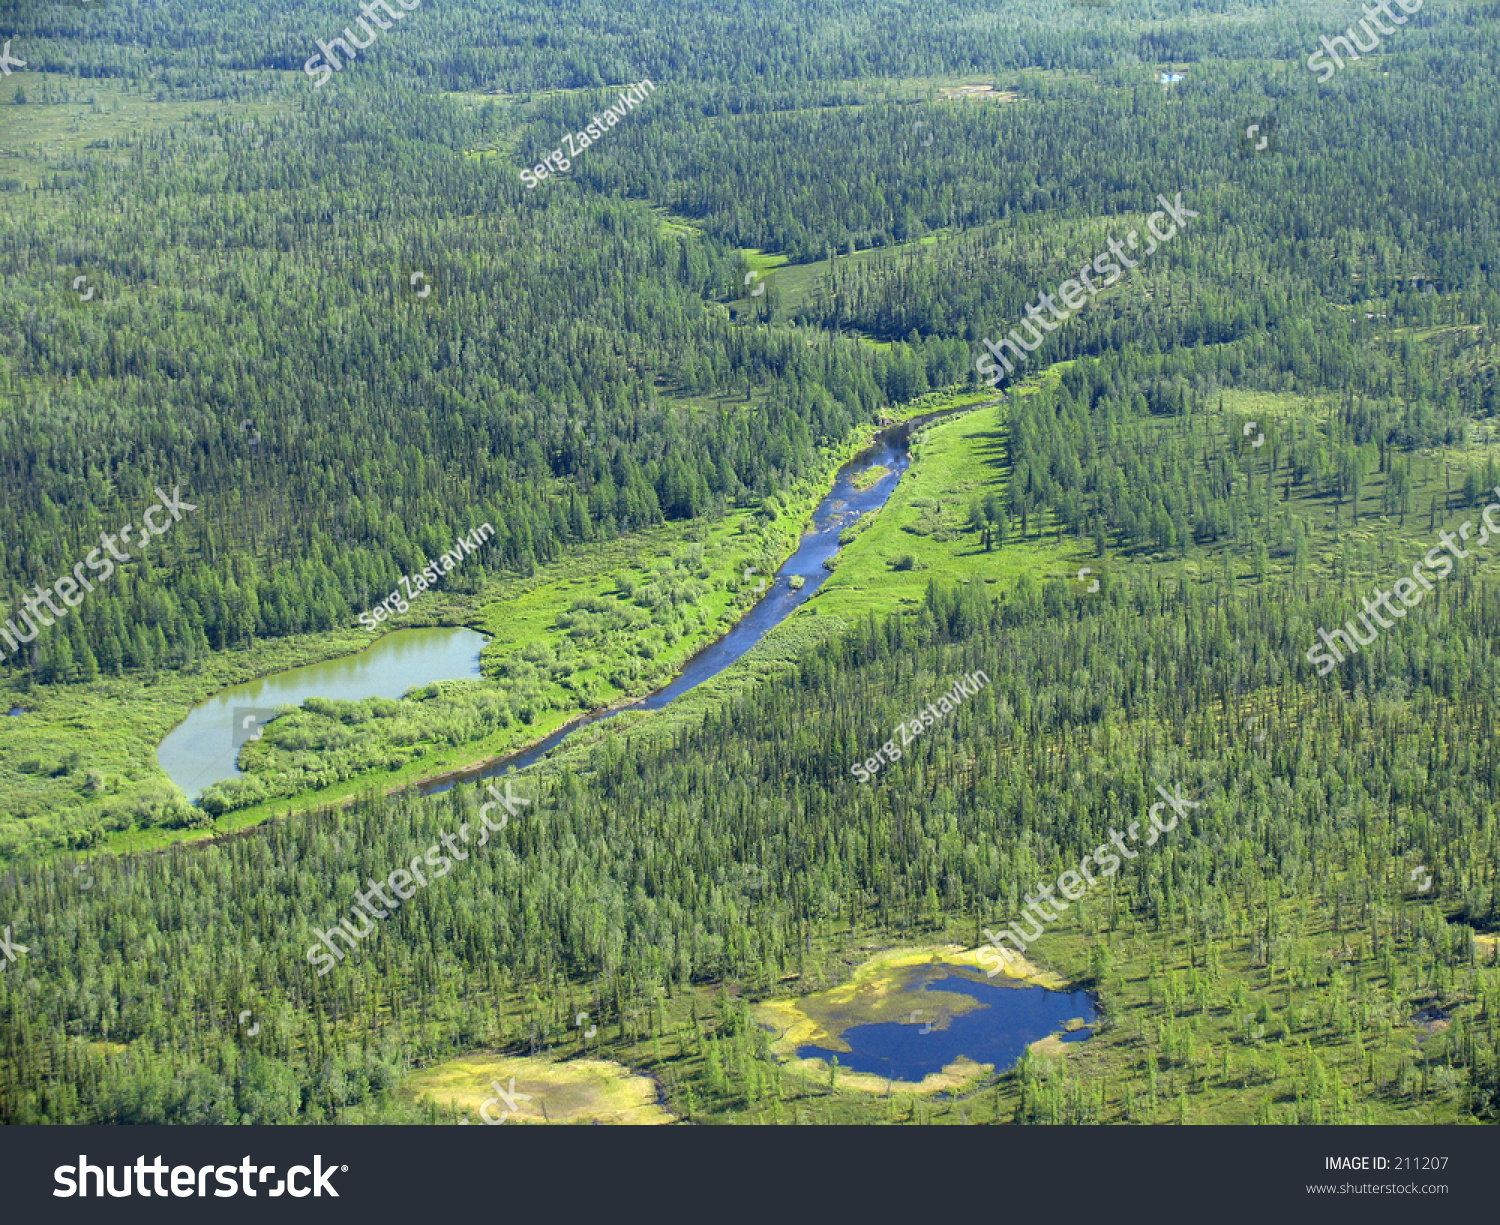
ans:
x=204 y=747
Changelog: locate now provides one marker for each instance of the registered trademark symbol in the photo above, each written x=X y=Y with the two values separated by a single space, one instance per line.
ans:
x=344 y=1168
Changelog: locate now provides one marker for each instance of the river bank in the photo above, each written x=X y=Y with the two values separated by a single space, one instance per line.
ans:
x=131 y=791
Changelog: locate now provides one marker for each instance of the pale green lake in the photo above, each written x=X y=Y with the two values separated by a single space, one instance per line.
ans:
x=204 y=747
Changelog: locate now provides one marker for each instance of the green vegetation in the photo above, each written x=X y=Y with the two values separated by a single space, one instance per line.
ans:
x=565 y=642
x=1136 y=537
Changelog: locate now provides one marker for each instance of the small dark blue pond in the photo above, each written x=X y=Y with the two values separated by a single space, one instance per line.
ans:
x=1007 y=1021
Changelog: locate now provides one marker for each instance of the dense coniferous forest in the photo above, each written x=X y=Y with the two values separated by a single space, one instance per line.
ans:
x=555 y=416
x=1279 y=408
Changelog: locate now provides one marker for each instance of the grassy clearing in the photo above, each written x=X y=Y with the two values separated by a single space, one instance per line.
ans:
x=64 y=115
x=1360 y=537
x=759 y=266
x=796 y=283
x=673 y=225
x=922 y=534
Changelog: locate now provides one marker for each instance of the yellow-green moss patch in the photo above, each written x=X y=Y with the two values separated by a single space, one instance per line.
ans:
x=577 y=1091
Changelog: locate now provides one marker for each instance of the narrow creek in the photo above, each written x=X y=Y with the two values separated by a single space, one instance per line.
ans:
x=844 y=505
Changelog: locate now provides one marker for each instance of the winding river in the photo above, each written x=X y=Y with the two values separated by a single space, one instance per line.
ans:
x=844 y=505
x=204 y=748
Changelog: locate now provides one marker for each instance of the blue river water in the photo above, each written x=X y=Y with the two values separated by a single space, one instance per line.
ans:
x=843 y=506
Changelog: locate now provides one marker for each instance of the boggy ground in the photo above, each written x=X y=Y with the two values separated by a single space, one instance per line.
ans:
x=576 y=1091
